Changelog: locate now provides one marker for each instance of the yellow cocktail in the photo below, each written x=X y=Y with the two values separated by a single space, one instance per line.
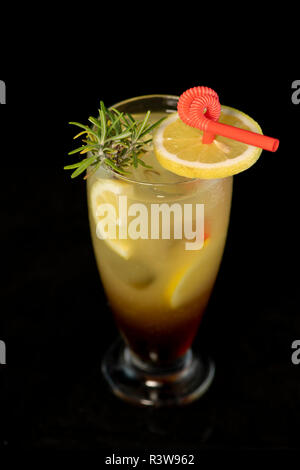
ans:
x=158 y=288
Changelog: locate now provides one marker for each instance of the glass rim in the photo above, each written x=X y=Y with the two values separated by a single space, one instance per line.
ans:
x=142 y=97
x=145 y=183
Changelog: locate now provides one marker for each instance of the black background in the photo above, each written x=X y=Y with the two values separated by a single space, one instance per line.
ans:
x=54 y=316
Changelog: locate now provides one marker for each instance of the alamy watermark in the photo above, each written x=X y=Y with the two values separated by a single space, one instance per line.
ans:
x=296 y=92
x=161 y=221
x=2 y=353
x=2 y=92
x=296 y=353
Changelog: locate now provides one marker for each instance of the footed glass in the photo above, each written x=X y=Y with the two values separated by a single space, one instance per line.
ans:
x=157 y=286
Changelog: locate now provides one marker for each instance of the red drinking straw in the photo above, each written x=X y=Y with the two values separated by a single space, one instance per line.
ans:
x=200 y=107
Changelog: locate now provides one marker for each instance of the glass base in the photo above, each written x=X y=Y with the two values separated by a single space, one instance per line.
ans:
x=141 y=383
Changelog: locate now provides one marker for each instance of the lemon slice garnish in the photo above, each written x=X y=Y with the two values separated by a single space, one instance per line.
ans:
x=178 y=148
x=107 y=191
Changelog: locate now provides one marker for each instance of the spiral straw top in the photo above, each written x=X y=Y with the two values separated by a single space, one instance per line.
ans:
x=200 y=107
x=197 y=105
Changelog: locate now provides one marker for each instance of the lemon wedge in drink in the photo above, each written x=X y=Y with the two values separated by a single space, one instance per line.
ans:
x=107 y=192
x=178 y=147
x=191 y=280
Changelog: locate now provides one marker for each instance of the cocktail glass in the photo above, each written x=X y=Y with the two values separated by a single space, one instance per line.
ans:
x=157 y=288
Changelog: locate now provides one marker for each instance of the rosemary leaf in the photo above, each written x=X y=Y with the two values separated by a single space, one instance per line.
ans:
x=79 y=149
x=153 y=126
x=84 y=165
x=71 y=167
x=143 y=125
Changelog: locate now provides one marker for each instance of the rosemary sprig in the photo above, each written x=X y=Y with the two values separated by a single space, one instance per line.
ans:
x=114 y=139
